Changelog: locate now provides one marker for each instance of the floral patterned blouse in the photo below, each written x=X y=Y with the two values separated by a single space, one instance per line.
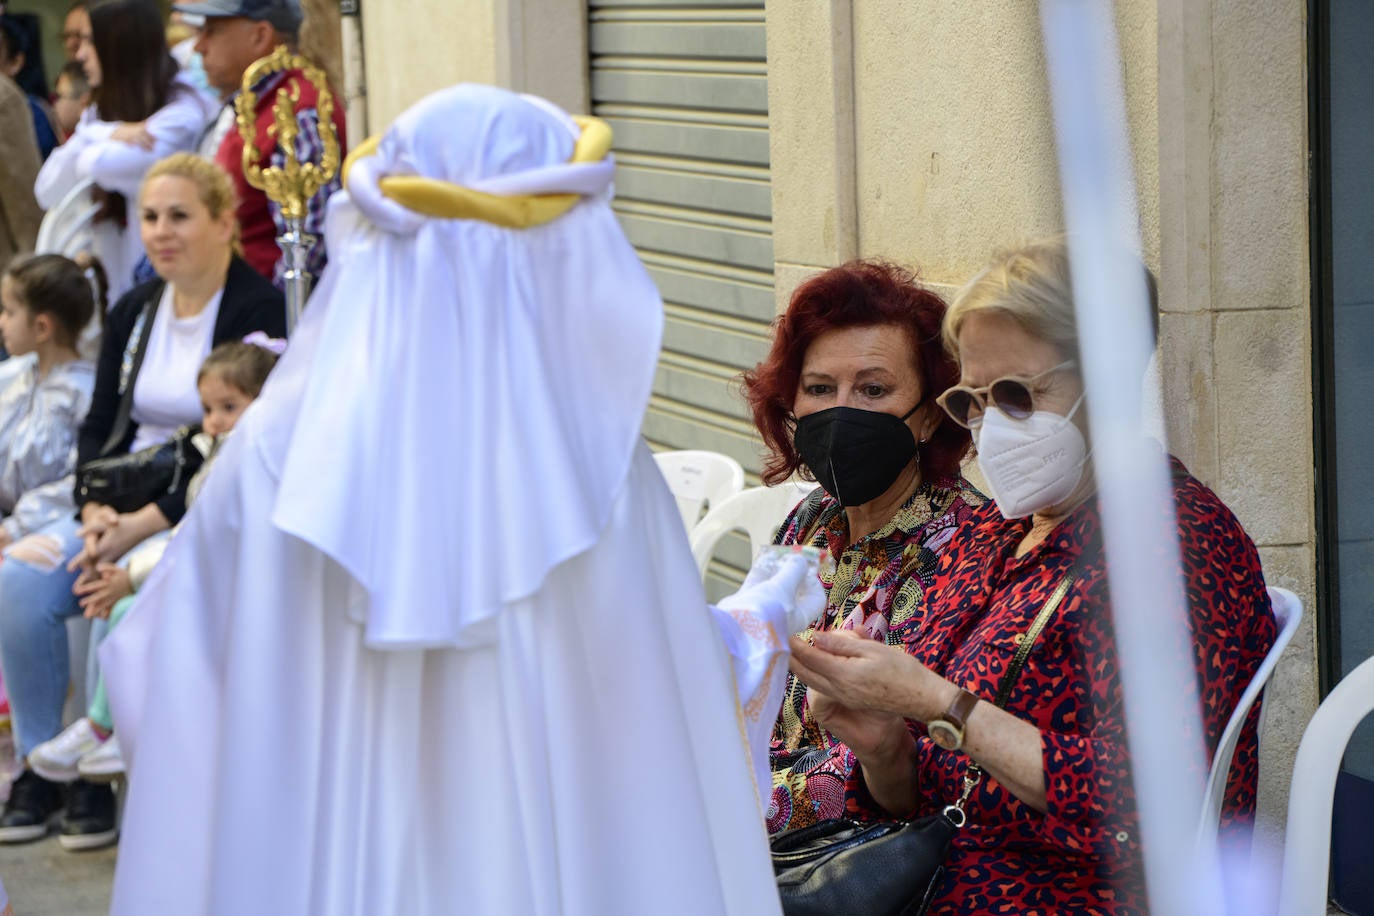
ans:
x=1083 y=854
x=876 y=586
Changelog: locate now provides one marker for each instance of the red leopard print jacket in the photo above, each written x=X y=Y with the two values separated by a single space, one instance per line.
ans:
x=1082 y=856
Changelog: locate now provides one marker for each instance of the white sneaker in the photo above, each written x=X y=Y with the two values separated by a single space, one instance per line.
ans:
x=104 y=763
x=57 y=759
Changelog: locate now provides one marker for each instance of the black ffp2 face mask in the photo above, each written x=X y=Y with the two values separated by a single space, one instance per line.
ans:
x=855 y=454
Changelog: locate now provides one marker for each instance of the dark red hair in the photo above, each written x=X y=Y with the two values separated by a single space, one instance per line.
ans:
x=857 y=294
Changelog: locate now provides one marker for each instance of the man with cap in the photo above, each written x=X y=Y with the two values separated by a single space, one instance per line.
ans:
x=237 y=33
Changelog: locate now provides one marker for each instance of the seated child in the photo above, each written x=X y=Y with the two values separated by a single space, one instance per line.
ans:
x=230 y=378
x=73 y=97
x=47 y=300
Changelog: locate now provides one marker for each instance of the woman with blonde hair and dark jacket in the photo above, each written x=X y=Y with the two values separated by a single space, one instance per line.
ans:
x=156 y=337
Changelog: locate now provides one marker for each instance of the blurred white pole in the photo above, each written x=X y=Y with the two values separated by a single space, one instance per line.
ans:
x=1148 y=602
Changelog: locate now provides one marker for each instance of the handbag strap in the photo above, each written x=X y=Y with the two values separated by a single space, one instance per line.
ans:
x=1032 y=633
x=974 y=775
x=129 y=366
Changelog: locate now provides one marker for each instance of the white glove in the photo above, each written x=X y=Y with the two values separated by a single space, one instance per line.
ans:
x=781 y=595
x=786 y=580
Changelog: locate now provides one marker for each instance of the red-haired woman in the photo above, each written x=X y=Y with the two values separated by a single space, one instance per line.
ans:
x=847 y=397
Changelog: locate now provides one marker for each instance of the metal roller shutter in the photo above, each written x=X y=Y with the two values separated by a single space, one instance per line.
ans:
x=684 y=85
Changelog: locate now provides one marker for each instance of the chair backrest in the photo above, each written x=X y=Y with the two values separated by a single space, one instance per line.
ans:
x=66 y=228
x=757 y=511
x=1307 y=844
x=699 y=479
x=1288 y=613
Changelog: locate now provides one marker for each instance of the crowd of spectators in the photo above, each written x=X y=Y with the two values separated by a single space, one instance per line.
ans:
x=873 y=387
x=110 y=355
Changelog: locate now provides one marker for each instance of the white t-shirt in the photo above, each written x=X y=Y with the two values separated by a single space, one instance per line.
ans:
x=165 y=394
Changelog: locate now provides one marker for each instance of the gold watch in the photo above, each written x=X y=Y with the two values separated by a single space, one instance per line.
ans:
x=948 y=730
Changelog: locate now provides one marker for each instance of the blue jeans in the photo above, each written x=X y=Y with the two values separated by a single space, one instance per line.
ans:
x=35 y=601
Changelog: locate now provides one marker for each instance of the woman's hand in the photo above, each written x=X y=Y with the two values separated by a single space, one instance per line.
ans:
x=134 y=133
x=100 y=592
x=112 y=541
x=117 y=540
x=862 y=691
x=132 y=529
x=96 y=519
x=861 y=674
x=870 y=735
x=5 y=539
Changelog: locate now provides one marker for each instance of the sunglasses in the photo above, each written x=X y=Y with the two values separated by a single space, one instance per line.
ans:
x=1010 y=394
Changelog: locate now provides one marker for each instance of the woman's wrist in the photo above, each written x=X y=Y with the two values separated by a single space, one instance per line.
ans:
x=891 y=755
x=147 y=521
x=931 y=695
x=890 y=779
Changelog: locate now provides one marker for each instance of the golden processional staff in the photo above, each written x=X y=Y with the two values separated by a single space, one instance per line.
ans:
x=292 y=184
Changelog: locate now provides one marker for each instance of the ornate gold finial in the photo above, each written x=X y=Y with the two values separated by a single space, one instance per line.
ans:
x=295 y=182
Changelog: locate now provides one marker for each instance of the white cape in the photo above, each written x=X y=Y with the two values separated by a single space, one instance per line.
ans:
x=431 y=639
x=588 y=760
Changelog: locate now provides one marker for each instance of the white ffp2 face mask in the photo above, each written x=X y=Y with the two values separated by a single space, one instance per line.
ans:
x=1030 y=464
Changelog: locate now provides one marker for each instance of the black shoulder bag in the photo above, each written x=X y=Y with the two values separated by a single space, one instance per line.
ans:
x=131 y=481
x=841 y=867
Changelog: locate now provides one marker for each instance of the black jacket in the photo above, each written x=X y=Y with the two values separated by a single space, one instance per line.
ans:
x=250 y=303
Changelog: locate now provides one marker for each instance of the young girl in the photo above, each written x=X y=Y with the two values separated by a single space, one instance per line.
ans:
x=47 y=300
x=230 y=379
x=46 y=389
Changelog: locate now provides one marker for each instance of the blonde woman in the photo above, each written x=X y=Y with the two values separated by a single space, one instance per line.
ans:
x=156 y=337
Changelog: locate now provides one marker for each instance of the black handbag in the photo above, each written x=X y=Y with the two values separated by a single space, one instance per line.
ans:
x=130 y=482
x=840 y=867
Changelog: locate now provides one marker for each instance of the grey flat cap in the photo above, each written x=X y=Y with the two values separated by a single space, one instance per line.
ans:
x=284 y=15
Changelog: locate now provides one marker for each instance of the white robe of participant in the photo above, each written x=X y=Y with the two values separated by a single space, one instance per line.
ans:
x=431 y=639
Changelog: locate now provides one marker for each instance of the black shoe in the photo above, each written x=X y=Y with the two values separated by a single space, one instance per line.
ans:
x=33 y=802
x=90 y=819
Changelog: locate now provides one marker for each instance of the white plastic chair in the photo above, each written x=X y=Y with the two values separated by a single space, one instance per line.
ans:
x=1307 y=845
x=66 y=228
x=1288 y=613
x=757 y=511
x=699 y=479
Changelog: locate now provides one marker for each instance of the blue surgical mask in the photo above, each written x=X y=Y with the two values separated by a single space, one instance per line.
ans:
x=195 y=71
